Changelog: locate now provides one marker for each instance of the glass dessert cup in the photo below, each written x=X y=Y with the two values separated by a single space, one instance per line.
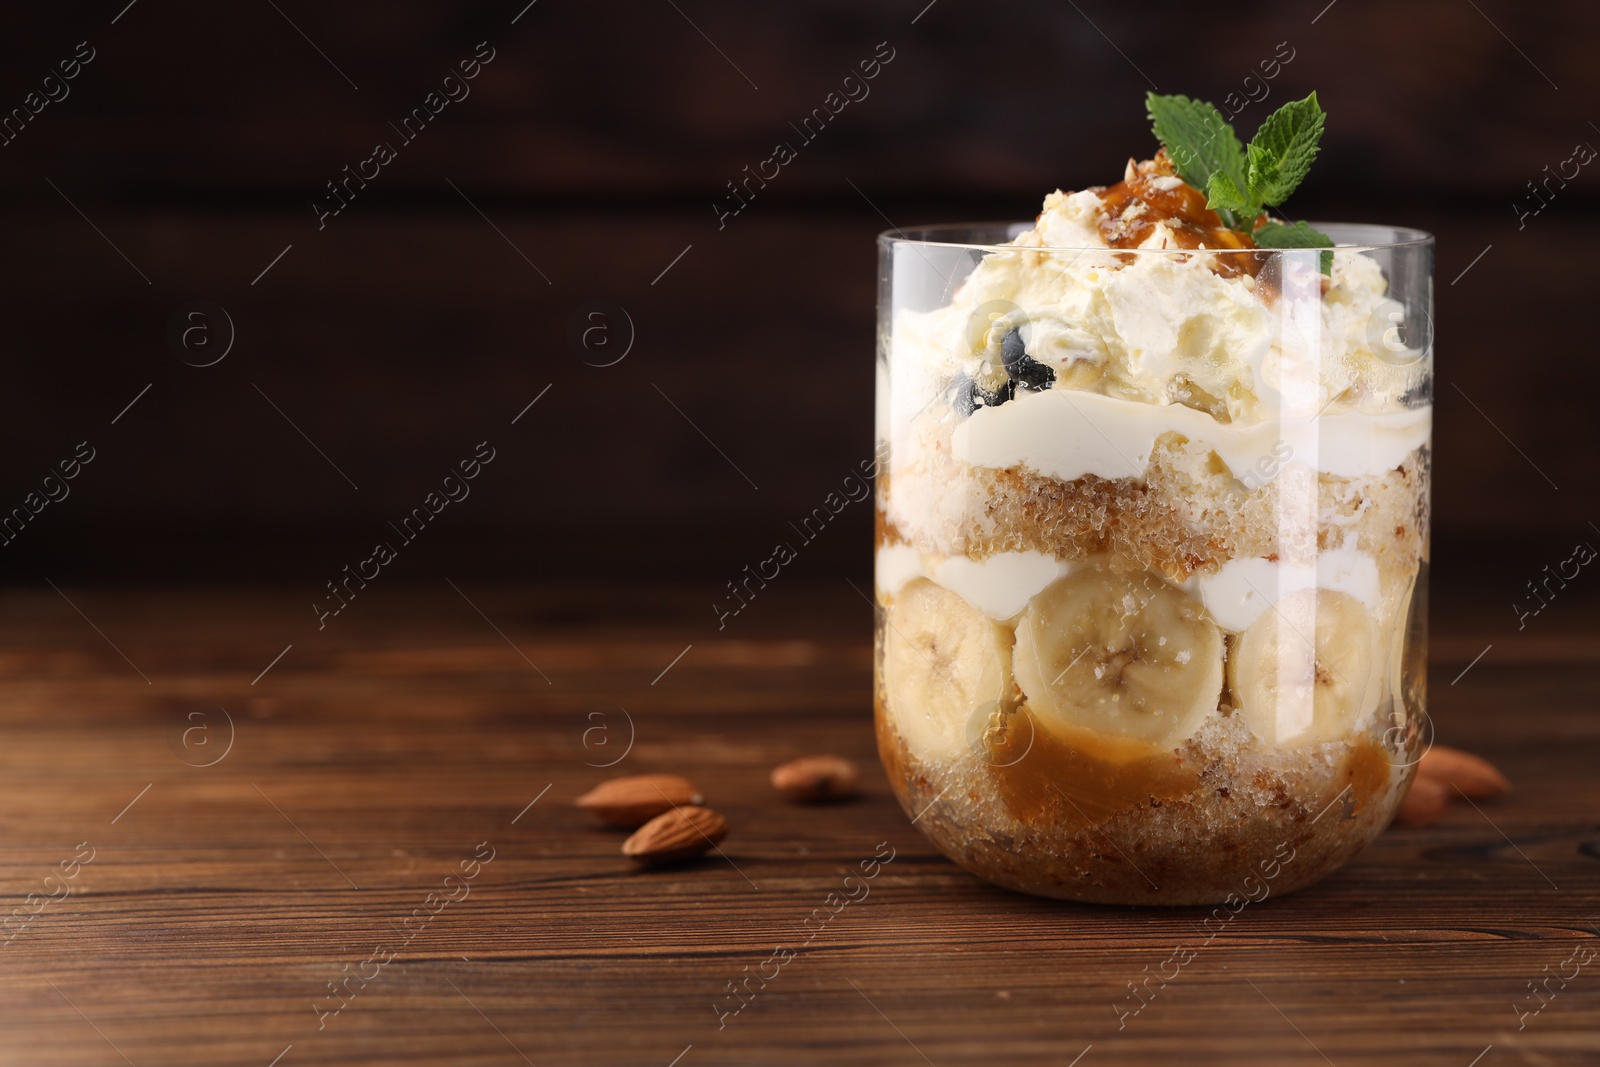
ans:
x=1152 y=541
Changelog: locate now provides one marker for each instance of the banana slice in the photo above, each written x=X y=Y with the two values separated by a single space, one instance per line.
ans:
x=1307 y=670
x=943 y=661
x=1124 y=655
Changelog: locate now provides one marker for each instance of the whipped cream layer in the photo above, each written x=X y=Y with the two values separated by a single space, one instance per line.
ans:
x=1242 y=590
x=1160 y=322
x=1154 y=340
x=1066 y=434
x=1000 y=586
x=1235 y=596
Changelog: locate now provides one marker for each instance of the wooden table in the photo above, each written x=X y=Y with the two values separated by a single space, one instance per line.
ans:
x=422 y=732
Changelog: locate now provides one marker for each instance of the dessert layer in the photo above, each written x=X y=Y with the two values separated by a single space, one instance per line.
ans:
x=1235 y=595
x=1186 y=515
x=999 y=585
x=1159 y=329
x=1224 y=823
x=1066 y=434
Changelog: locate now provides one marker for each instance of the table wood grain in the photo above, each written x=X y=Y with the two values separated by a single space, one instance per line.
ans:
x=203 y=913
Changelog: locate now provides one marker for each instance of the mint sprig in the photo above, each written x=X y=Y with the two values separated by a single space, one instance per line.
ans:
x=1283 y=149
x=1198 y=139
x=1240 y=181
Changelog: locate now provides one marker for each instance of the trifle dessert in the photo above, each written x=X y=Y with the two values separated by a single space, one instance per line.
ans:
x=1152 y=527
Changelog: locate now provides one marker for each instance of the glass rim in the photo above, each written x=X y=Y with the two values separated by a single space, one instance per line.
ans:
x=947 y=235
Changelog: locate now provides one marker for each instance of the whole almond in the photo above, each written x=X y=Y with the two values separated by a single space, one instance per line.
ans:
x=1424 y=804
x=1474 y=776
x=676 y=835
x=813 y=778
x=635 y=800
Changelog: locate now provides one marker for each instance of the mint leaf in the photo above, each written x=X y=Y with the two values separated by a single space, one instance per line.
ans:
x=1282 y=150
x=1224 y=193
x=1198 y=138
x=1239 y=182
x=1295 y=235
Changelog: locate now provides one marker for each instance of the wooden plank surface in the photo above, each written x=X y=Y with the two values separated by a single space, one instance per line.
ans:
x=413 y=732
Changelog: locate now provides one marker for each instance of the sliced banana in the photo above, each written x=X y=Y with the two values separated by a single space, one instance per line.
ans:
x=1308 y=669
x=943 y=660
x=1125 y=655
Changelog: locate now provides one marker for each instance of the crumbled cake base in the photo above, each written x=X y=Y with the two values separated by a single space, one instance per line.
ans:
x=1253 y=818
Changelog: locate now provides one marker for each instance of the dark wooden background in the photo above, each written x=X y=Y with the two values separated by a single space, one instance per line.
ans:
x=597 y=140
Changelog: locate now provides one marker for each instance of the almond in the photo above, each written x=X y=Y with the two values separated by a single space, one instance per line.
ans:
x=677 y=835
x=635 y=800
x=1424 y=803
x=1474 y=776
x=812 y=778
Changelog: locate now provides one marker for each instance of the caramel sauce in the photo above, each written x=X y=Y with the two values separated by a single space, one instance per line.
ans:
x=885 y=532
x=1135 y=205
x=1367 y=774
x=1078 y=779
